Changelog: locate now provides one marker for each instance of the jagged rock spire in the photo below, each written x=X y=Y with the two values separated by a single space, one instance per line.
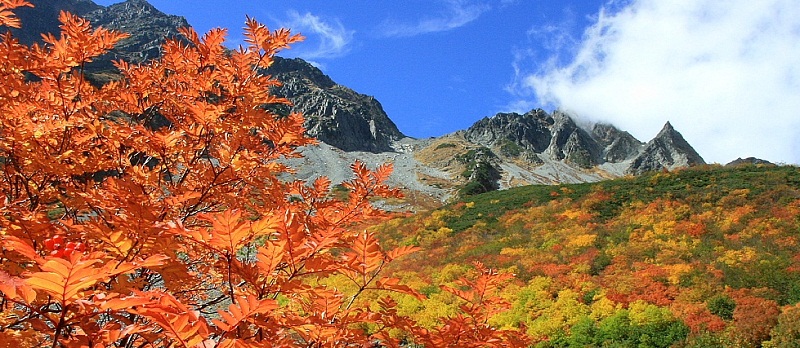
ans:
x=668 y=150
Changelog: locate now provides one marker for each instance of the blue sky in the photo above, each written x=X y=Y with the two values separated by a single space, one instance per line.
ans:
x=725 y=73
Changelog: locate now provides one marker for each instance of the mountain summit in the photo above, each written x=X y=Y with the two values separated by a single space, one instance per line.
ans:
x=668 y=150
x=335 y=114
x=536 y=134
x=147 y=26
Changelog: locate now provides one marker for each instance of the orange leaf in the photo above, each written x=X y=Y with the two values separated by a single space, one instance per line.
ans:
x=401 y=251
x=367 y=254
x=14 y=287
x=20 y=246
x=265 y=226
x=228 y=231
x=244 y=308
x=65 y=279
x=270 y=256
x=177 y=320
x=394 y=285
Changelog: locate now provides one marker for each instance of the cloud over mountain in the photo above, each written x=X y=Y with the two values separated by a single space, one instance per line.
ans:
x=726 y=73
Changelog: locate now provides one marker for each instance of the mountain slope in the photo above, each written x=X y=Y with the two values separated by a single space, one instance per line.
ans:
x=43 y=17
x=148 y=28
x=335 y=114
x=617 y=145
x=542 y=148
x=708 y=256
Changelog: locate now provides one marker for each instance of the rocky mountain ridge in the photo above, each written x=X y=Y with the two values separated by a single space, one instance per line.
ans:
x=502 y=151
x=668 y=150
x=148 y=26
x=335 y=114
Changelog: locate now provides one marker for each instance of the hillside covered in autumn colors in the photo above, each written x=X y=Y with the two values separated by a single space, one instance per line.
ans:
x=700 y=257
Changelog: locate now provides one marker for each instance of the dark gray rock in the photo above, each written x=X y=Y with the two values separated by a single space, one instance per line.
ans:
x=749 y=161
x=334 y=114
x=572 y=143
x=148 y=28
x=530 y=131
x=668 y=150
x=536 y=134
x=617 y=145
x=43 y=17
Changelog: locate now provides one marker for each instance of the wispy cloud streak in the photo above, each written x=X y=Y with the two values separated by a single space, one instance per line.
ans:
x=325 y=38
x=457 y=14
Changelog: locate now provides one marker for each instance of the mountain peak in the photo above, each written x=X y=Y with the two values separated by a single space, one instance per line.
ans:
x=334 y=114
x=142 y=3
x=668 y=150
x=148 y=28
x=137 y=8
x=618 y=145
x=43 y=17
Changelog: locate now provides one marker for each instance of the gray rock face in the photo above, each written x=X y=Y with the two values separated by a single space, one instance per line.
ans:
x=530 y=131
x=148 y=27
x=43 y=17
x=572 y=143
x=334 y=114
x=618 y=145
x=537 y=133
x=749 y=161
x=668 y=150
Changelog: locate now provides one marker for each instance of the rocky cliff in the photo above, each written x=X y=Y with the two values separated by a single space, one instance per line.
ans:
x=334 y=114
x=668 y=150
x=537 y=134
x=538 y=147
x=43 y=17
x=513 y=132
x=617 y=145
x=148 y=27
x=572 y=143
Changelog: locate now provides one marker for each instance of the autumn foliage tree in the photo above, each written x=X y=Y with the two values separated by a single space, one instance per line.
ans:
x=155 y=211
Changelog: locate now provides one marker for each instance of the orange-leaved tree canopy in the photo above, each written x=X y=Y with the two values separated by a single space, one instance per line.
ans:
x=155 y=211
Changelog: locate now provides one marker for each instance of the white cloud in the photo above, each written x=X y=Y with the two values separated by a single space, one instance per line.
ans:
x=725 y=73
x=457 y=14
x=324 y=38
